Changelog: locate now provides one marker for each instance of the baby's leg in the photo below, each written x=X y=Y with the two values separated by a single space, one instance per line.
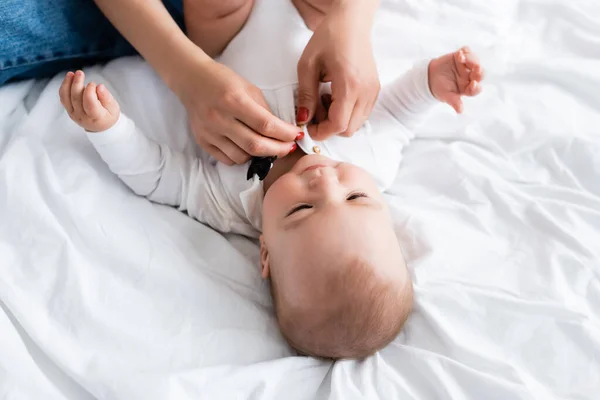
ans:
x=211 y=24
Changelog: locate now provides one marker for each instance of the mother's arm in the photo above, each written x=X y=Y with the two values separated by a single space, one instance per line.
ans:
x=339 y=52
x=228 y=115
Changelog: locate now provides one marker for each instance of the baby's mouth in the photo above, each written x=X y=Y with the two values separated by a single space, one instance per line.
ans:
x=315 y=167
x=313 y=161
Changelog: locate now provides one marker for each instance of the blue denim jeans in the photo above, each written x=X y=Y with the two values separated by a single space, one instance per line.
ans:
x=39 y=38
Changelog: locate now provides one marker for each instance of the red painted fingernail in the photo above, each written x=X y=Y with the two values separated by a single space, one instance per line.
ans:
x=299 y=136
x=294 y=147
x=302 y=115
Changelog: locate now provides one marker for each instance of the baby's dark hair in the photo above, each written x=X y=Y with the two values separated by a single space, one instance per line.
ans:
x=362 y=313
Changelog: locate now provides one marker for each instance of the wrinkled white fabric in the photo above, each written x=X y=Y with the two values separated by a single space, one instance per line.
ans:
x=106 y=295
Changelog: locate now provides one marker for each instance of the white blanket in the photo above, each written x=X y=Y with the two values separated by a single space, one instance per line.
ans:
x=105 y=295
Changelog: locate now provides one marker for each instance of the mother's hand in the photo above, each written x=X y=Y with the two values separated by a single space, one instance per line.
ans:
x=340 y=52
x=229 y=116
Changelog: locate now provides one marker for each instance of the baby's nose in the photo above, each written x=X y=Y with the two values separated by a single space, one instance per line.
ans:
x=323 y=178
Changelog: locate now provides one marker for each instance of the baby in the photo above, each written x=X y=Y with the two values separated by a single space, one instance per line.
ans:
x=339 y=282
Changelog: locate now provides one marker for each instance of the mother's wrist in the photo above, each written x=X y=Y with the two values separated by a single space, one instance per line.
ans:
x=183 y=66
x=368 y=6
x=362 y=12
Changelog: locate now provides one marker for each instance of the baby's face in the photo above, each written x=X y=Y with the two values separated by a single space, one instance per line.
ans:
x=316 y=193
x=321 y=212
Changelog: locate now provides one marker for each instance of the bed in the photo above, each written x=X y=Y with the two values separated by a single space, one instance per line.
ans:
x=104 y=295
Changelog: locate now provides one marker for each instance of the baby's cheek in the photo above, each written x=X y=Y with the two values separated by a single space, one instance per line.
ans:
x=284 y=190
x=357 y=177
x=277 y=200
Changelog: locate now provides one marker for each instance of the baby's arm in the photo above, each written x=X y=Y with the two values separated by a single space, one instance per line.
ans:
x=444 y=79
x=148 y=168
x=404 y=102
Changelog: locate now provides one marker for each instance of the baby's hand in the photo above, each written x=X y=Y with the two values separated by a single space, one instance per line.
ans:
x=454 y=75
x=91 y=106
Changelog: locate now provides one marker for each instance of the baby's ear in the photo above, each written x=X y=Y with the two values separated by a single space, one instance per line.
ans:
x=264 y=259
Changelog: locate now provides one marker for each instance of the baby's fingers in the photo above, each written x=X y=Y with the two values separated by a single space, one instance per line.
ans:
x=91 y=105
x=455 y=102
x=473 y=89
x=477 y=74
x=107 y=100
x=77 y=93
x=65 y=92
x=460 y=63
x=469 y=58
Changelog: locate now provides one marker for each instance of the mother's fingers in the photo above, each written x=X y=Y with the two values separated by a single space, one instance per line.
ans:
x=232 y=150
x=356 y=120
x=257 y=145
x=322 y=109
x=262 y=121
x=371 y=103
x=337 y=121
x=218 y=155
x=214 y=151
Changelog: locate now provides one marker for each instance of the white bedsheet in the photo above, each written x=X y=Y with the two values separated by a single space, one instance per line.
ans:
x=104 y=295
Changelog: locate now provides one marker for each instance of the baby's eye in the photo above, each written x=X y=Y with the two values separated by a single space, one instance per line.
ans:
x=300 y=207
x=355 y=196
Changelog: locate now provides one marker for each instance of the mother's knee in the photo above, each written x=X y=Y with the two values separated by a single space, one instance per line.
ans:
x=211 y=24
x=215 y=9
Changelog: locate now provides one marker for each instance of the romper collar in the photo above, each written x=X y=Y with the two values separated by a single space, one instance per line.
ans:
x=260 y=166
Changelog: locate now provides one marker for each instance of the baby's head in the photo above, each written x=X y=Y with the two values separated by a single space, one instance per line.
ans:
x=339 y=281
